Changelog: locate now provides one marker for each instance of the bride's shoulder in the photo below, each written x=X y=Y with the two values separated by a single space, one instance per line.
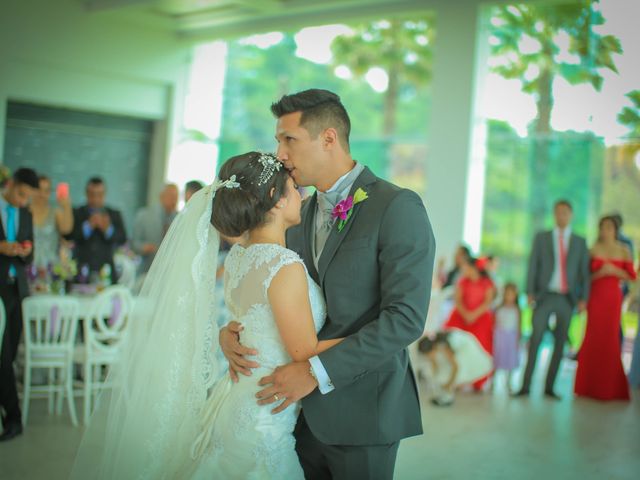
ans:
x=281 y=253
x=265 y=253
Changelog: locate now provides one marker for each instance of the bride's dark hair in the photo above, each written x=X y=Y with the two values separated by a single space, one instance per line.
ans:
x=236 y=210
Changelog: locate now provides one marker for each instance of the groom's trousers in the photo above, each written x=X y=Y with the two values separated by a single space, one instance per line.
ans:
x=343 y=462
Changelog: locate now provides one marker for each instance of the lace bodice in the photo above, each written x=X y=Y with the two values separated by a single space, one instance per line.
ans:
x=248 y=275
x=241 y=439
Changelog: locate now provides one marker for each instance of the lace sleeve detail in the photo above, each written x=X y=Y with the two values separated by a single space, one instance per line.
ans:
x=285 y=257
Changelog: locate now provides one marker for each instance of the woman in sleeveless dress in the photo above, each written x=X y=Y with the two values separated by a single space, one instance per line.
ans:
x=49 y=224
x=171 y=414
x=600 y=374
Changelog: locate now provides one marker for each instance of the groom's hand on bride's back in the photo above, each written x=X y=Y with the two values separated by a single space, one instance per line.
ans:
x=235 y=352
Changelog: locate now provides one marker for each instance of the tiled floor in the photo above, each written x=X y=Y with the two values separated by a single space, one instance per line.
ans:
x=488 y=436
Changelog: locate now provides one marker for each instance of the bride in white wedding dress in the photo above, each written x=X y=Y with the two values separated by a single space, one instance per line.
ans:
x=172 y=412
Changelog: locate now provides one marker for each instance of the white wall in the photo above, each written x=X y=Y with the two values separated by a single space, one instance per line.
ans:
x=57 y=54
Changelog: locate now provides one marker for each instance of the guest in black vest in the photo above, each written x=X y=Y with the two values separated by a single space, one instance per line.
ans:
x=16 y=252
x=97 y=230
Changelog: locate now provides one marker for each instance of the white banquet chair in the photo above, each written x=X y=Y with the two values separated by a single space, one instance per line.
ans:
x=127 y=269
x=105 y=325
x=50 y=323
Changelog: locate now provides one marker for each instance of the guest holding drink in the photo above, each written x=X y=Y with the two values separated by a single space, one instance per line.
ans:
x=600 y=373
x=50 y=222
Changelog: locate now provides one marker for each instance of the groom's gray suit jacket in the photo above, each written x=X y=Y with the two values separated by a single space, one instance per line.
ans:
x=376 y=278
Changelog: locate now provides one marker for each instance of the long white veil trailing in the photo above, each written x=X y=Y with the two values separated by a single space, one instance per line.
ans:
x=145 y=425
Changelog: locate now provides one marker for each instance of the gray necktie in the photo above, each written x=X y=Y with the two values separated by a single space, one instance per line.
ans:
x=326 y=202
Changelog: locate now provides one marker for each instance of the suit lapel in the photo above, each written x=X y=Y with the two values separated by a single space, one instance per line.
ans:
x=21 y=228
x=308 y=233
x=570 y=251
x=336 y=238
x=552 y=248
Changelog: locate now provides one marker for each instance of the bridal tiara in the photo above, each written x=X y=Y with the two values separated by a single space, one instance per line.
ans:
x=230 y=183
x=270 y=165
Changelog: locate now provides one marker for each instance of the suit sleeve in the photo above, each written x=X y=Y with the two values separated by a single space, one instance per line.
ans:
x=28 y=219
x=119 y=236
x=76 y=234
x=405 y=258
x=534 y=265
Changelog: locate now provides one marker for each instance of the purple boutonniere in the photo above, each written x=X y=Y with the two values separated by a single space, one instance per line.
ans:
x=343 y=210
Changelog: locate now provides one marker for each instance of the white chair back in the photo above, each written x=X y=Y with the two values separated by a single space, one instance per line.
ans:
x=50 y=324
x=104 y=331
x=49 y=321
x=3 y=320
x=109 y=316
x=127 y=269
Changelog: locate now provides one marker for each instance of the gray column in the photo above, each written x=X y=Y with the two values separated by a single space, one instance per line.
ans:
x=450 y=136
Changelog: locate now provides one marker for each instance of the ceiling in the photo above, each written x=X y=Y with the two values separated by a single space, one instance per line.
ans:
x=229 y=18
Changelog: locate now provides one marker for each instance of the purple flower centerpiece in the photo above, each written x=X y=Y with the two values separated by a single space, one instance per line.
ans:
x=83 y=276
x=32 y=273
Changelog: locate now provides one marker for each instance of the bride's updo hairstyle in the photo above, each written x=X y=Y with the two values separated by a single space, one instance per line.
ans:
x=243 y=196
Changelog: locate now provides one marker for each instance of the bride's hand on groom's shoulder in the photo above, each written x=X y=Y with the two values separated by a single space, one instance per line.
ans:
x=235 y=352
x=287 y=384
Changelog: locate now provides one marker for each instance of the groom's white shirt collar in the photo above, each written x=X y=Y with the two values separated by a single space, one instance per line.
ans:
x=336 y=186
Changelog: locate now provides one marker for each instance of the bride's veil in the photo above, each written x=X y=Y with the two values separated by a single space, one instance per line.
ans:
x=144 y=426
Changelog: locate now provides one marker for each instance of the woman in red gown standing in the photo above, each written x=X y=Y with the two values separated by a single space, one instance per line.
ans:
x=600 y=373
x=472 y=313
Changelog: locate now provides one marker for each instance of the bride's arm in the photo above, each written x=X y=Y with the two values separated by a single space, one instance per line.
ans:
x=289 y=299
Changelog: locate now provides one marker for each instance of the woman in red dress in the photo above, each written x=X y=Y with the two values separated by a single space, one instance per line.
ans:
x=600 y=373
x=474 y=295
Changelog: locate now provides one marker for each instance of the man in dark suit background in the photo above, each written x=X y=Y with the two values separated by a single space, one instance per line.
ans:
x=16 y=252
x=98 y=230
x=558 y=280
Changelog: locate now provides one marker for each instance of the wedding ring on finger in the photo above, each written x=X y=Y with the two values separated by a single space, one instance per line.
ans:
x=275 y=397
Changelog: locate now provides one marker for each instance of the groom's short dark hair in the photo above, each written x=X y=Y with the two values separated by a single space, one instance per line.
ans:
x=320 y=109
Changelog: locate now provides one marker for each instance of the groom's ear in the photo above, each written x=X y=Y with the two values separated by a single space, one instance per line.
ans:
x=329 y=138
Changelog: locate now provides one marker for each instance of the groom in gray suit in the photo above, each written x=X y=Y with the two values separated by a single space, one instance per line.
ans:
x=557 y=281
x=359 y=398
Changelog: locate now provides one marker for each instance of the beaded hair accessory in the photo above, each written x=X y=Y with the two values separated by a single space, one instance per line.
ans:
x=270 y=165
x=229 y=183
